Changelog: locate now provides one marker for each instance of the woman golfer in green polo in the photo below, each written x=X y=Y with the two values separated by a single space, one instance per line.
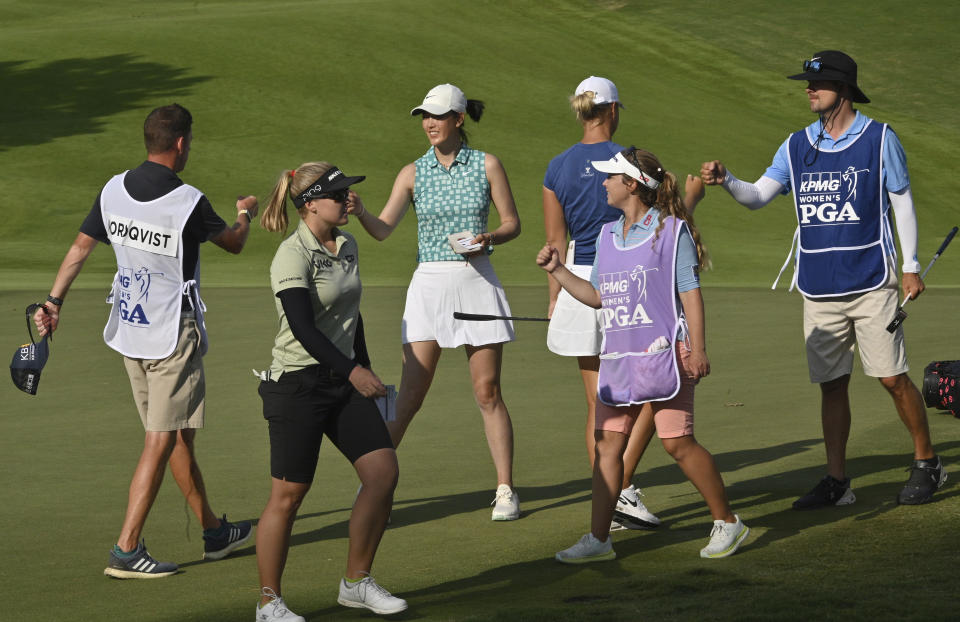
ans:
x=319 y=384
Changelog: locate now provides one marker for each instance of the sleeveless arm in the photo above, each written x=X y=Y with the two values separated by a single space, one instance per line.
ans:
x=379 y=227
x=503 y=200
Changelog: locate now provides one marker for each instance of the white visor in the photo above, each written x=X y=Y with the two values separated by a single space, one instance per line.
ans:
x=619 y=165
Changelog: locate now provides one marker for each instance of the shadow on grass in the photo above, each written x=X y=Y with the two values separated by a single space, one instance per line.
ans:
x=872 y=500
x=538 y=575
x=72 y=96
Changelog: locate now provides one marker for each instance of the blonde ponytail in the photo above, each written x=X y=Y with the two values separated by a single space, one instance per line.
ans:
x=291 y=182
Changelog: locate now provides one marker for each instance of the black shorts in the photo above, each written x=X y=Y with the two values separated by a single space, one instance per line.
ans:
x=304 y=405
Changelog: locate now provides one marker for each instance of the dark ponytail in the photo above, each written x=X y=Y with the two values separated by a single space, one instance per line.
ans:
x=474 y=110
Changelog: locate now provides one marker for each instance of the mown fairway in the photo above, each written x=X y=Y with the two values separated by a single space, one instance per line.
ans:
x=273 y=84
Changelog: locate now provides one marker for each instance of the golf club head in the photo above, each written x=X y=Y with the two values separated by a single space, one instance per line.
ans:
x=897 y=320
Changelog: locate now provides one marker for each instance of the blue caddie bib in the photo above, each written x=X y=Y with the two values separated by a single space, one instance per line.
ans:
x=841 y=214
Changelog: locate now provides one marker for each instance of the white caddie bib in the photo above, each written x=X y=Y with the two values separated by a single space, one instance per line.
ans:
x=144 y=320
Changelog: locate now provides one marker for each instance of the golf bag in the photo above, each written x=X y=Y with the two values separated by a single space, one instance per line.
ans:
x=941 y=386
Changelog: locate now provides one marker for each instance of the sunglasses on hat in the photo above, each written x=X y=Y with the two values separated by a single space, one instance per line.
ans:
x=815 y=65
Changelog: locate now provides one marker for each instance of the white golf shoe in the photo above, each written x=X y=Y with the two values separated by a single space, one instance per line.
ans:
x=587 y=549
x=506 y=504
x=365 y=593
x=725 y=539
x=276 y=610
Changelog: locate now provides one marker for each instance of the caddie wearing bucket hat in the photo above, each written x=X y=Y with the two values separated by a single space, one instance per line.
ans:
x=834 y=66
x=846 y=171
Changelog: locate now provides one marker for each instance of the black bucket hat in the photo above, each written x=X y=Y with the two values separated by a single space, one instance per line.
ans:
x=835 y=66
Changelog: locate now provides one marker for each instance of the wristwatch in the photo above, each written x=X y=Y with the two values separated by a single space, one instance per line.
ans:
x=55 y=300
x=247 y=214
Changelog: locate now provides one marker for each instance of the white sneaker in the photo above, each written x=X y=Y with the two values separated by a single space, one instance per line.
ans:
x=276 y=609
x=506 y=504
x=632 y=513
x=367 y=594
x=587 y=549
x=725 y=539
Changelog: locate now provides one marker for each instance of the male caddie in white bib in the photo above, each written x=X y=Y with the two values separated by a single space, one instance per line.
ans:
x=155 y=224
x=145 y=319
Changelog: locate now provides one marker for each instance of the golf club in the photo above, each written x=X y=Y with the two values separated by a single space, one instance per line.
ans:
x=480 y=317
x=901 y=315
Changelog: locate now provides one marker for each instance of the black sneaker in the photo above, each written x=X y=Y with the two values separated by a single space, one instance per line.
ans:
x=140 y=565
x=830 y=491
x=925 y=477
x=218 y=543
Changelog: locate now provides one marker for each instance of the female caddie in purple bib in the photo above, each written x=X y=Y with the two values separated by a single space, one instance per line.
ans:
x=640 y=317
x=646 y=268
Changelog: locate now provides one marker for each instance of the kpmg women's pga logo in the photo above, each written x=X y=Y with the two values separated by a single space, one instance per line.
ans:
x=133 y=293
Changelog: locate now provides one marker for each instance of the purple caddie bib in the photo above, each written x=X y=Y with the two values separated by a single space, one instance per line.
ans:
x=641 y=317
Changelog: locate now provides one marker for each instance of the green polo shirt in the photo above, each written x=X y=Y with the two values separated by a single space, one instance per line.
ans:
x=333 y=280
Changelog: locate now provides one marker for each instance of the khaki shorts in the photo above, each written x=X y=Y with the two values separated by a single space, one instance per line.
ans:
x=833 y=326
x=169 y=392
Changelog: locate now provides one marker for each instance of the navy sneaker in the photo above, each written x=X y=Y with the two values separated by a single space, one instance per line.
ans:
x=139 y=565
x=221 y=541
x=830 y=491
x=926 y=476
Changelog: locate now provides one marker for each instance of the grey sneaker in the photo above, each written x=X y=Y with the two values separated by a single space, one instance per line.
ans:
x=139 y=565
x=926 y=476
x=276 y=610
x=367 y=594
x=506 y=504
x=725 y=539
x=587 y=549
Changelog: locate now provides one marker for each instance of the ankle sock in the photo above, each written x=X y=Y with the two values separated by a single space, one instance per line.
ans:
x=121 y=553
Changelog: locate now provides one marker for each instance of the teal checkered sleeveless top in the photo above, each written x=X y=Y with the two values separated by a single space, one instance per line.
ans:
x=449 y=201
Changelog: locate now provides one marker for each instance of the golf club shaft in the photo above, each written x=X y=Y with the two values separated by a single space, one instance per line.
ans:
x=481 y=317
x=936 y=256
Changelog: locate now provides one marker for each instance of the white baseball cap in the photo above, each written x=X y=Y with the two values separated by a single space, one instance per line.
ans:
x=604 y=91
x=442 y=99
x=620 y=165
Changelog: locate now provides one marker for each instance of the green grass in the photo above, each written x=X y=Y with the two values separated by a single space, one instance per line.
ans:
x=273 y=84
x=69 y=452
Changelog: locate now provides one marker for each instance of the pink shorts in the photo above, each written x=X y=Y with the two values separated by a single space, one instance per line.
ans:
x=673 y=418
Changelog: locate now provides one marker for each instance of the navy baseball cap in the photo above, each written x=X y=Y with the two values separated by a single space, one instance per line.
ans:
x=833 y=65
x=28 y=361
